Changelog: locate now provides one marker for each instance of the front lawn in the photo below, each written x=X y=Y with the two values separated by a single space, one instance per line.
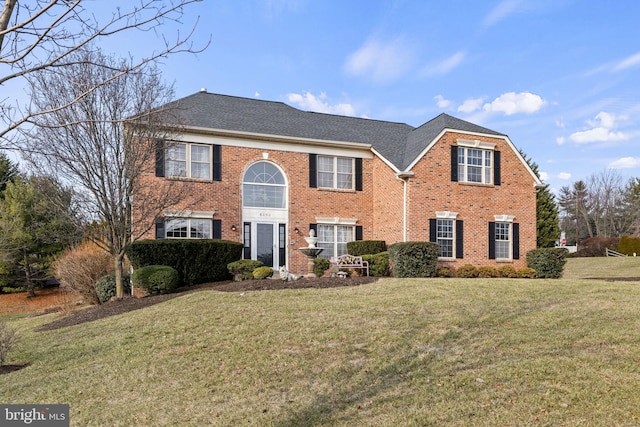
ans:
x=481 y=352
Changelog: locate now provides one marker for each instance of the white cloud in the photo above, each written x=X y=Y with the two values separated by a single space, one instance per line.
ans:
x=381 y=61
x=601 y=130
x=442 y=102
x=511 y=103
x=628 y=62
x=625 y=163
x=504 y=9
x=560 y=140
x=471 y=105
x=309 y=102
x=544 y=176
x=257 y=94
x=444 y=66
x=564 y=175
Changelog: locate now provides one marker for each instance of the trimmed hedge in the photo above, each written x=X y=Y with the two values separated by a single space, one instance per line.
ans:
x=548 y=263
x=366 y=247
x=467 y=271
x=414 y=259
x=196 y=260
x=243 y=269
x=106 y=287
x=378 y=264
x=262 y=272
x=156 y=279
x=629 y=245
x=320 y=265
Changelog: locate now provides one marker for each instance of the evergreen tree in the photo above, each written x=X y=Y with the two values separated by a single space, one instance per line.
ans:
x=34 y=228
x=547 y=213
x=8 y=172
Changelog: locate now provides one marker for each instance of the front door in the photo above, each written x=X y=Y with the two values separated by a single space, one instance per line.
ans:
x=266 y=244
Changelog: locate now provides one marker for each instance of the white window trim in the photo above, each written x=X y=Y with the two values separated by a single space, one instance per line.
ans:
x=446 y=215
x=336 y=221
x=476 y=144
x=188 y=219
x=505 y=219
x=335 y=173
x=189 y=214
x=449 y=216
x=339 y=224
x=188 y=160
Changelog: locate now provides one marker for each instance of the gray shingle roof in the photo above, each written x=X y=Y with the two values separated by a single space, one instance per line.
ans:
x=399 y=143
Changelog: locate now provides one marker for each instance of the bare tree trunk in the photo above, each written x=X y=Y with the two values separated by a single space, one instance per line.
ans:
x=5 y=15
x=119 y=265
x=31 y=289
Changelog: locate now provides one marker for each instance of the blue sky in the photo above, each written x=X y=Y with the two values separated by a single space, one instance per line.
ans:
x=560 y=77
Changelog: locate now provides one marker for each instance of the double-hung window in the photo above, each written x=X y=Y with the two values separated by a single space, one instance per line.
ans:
x=475 y=162
x=333 y=239
x=474 y=165
x=188 y=161
x=503 y=240
x=188 y=228
x=445 y=237
x=336 y=172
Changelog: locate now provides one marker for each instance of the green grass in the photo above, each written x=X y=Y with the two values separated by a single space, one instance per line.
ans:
x=583 y=268
x=477 y=352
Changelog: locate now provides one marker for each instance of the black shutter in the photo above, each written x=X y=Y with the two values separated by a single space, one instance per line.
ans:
x=282 y=244
x=159 y=157
x=313 y=227
x=217 y=163
x=492 y=240
x=246 y=239
x=516 y=241
x=433 y=236
x=496 y=168
x=459 y=240
x=313 y=171
x=358 y=174
x=358 y=232
x=160 y=229
x=454 y=163
x=217 y=229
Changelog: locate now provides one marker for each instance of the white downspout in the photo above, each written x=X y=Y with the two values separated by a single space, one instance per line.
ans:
x=404 y=177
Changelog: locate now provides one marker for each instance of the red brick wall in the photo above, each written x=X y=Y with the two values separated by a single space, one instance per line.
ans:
x=379 y=207
x=432 y=190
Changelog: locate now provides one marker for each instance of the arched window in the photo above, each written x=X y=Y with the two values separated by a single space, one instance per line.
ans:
x=263 y=186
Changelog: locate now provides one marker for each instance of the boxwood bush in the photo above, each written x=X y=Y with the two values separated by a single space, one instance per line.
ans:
x=320 y=265
x=262 y=272
x=548 y=263
x=629 y=245
x=366 y=247
x=196 y=260
x=156 y=279
x=414 y=259
x=106 y=287
x=243 y=269
x=378 y=264
x=467 y=271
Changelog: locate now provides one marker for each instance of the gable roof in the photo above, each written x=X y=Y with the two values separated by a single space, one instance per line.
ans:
x=399 y=143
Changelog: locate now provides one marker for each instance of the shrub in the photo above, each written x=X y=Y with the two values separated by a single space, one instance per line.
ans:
x=487 y=271
x=12 y=290
x=243 y=269
x=156 y=279
x=507 y=271
x=629 y=245
x=320 y=265
x=597 y=246
x=526 y=273
x=445 y=271
x=196 y=260
x=366 y=247
x=378 y=264
x=79 y=268
x=414 y=259
x=467 y=271
x=106 y=286
x=8 y=340
x=548 y=263
x=262 y=272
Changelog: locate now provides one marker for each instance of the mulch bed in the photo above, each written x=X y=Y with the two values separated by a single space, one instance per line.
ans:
x=129 y=303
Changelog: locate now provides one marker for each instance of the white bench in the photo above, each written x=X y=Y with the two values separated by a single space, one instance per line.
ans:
x=350 y=261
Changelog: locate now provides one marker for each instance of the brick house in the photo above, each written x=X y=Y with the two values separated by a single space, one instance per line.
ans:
x=263 y=173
